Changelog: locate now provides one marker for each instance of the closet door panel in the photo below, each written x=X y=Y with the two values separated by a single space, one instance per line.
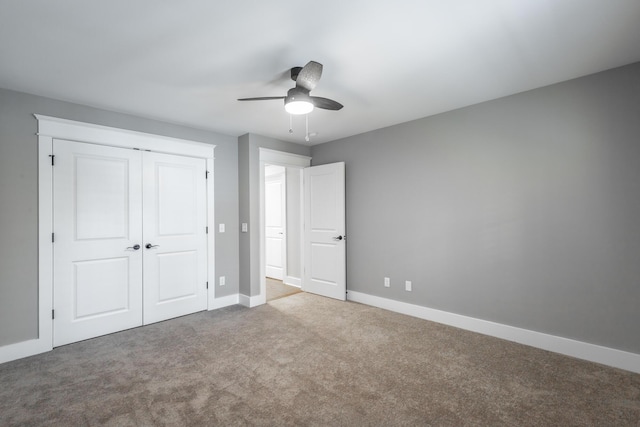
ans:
x=97 y=223
x=175 y=249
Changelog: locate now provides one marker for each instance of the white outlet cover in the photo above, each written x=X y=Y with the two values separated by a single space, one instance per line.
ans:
x=222 y=280
x=407 y=285
x=221 y=228
x=245 y=227
x=387 y=282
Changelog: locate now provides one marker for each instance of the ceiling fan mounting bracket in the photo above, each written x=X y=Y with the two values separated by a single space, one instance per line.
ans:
x=294 y=73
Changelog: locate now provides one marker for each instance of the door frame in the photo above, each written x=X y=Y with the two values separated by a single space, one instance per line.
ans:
x=288 y=160
x=50 y=128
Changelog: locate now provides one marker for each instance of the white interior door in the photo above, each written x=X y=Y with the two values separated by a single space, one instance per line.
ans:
x=175 y=239
x=275 y=228
x=98 y=226
x=325 y=246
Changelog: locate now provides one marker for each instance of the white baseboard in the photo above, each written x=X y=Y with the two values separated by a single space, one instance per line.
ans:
x=224 y=301
x=253 y=301
x=23 y=349
x=293 y=281
x=578 y=349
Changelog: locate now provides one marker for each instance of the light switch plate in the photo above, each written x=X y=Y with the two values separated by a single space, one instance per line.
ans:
x=221 y=228
x=245 y=227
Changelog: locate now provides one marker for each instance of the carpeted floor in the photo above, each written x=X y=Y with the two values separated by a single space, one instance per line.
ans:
x=277 y=289
x=308 y=360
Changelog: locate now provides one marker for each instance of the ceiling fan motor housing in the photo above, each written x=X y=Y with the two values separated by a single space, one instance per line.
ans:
x=297 y=94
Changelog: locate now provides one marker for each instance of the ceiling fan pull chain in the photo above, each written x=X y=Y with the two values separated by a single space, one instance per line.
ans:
x=306 y=120
x=290 y=123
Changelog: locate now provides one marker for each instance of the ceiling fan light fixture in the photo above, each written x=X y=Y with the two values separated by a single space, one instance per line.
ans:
x=298 y=103
x=298 y=107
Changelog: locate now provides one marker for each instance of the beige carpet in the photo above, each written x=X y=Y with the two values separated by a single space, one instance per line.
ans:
x=308 y=360
x=277 y=289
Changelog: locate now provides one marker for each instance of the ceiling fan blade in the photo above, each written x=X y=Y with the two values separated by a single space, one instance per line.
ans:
x=309 y=76
x=327 y=104
x=262 y=98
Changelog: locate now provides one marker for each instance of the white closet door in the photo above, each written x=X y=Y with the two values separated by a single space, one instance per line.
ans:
x=175 y=240
x=97 y=224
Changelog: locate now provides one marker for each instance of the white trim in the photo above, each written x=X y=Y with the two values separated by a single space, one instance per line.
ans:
x=115 y=137
x=211 y=241
x=279 y=158
x=50 y=128
x=578 y=349
x=282 y=158
x=251 y=302
x=23 y=349
x=224 y=302
x=45 y=245
x=293 y=281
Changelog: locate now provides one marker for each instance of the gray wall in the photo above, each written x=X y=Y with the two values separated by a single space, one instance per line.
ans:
x=19 y=197
x=522 y=210
x=249 y=196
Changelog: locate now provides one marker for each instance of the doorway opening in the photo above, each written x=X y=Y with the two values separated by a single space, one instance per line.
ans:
x=273 y=162
x=282 y=230
x=277 y=289
x=320 y=233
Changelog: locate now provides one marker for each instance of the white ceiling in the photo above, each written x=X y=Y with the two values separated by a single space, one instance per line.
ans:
x=388 y=62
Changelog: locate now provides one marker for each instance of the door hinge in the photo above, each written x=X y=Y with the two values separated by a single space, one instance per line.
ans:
x=207 y=230
x=53 y=314
x=53 y=237
x=53 y=156
x=206 y=174
x=207 y=285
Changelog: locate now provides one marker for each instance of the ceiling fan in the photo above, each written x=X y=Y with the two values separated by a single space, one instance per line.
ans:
x=298 y=100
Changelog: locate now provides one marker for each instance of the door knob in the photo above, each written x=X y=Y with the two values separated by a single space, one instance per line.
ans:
x=149 y=246
x=134 y=247
x=338 y=238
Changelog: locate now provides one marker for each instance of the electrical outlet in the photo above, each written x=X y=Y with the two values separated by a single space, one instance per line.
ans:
x=407 y=286
x=221 y=228
x=223 y=280
x=387 y=282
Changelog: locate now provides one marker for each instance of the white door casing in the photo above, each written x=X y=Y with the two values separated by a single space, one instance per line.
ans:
x=97 y=218
x=275 y=225
x=175 y=237
x=325 y=239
